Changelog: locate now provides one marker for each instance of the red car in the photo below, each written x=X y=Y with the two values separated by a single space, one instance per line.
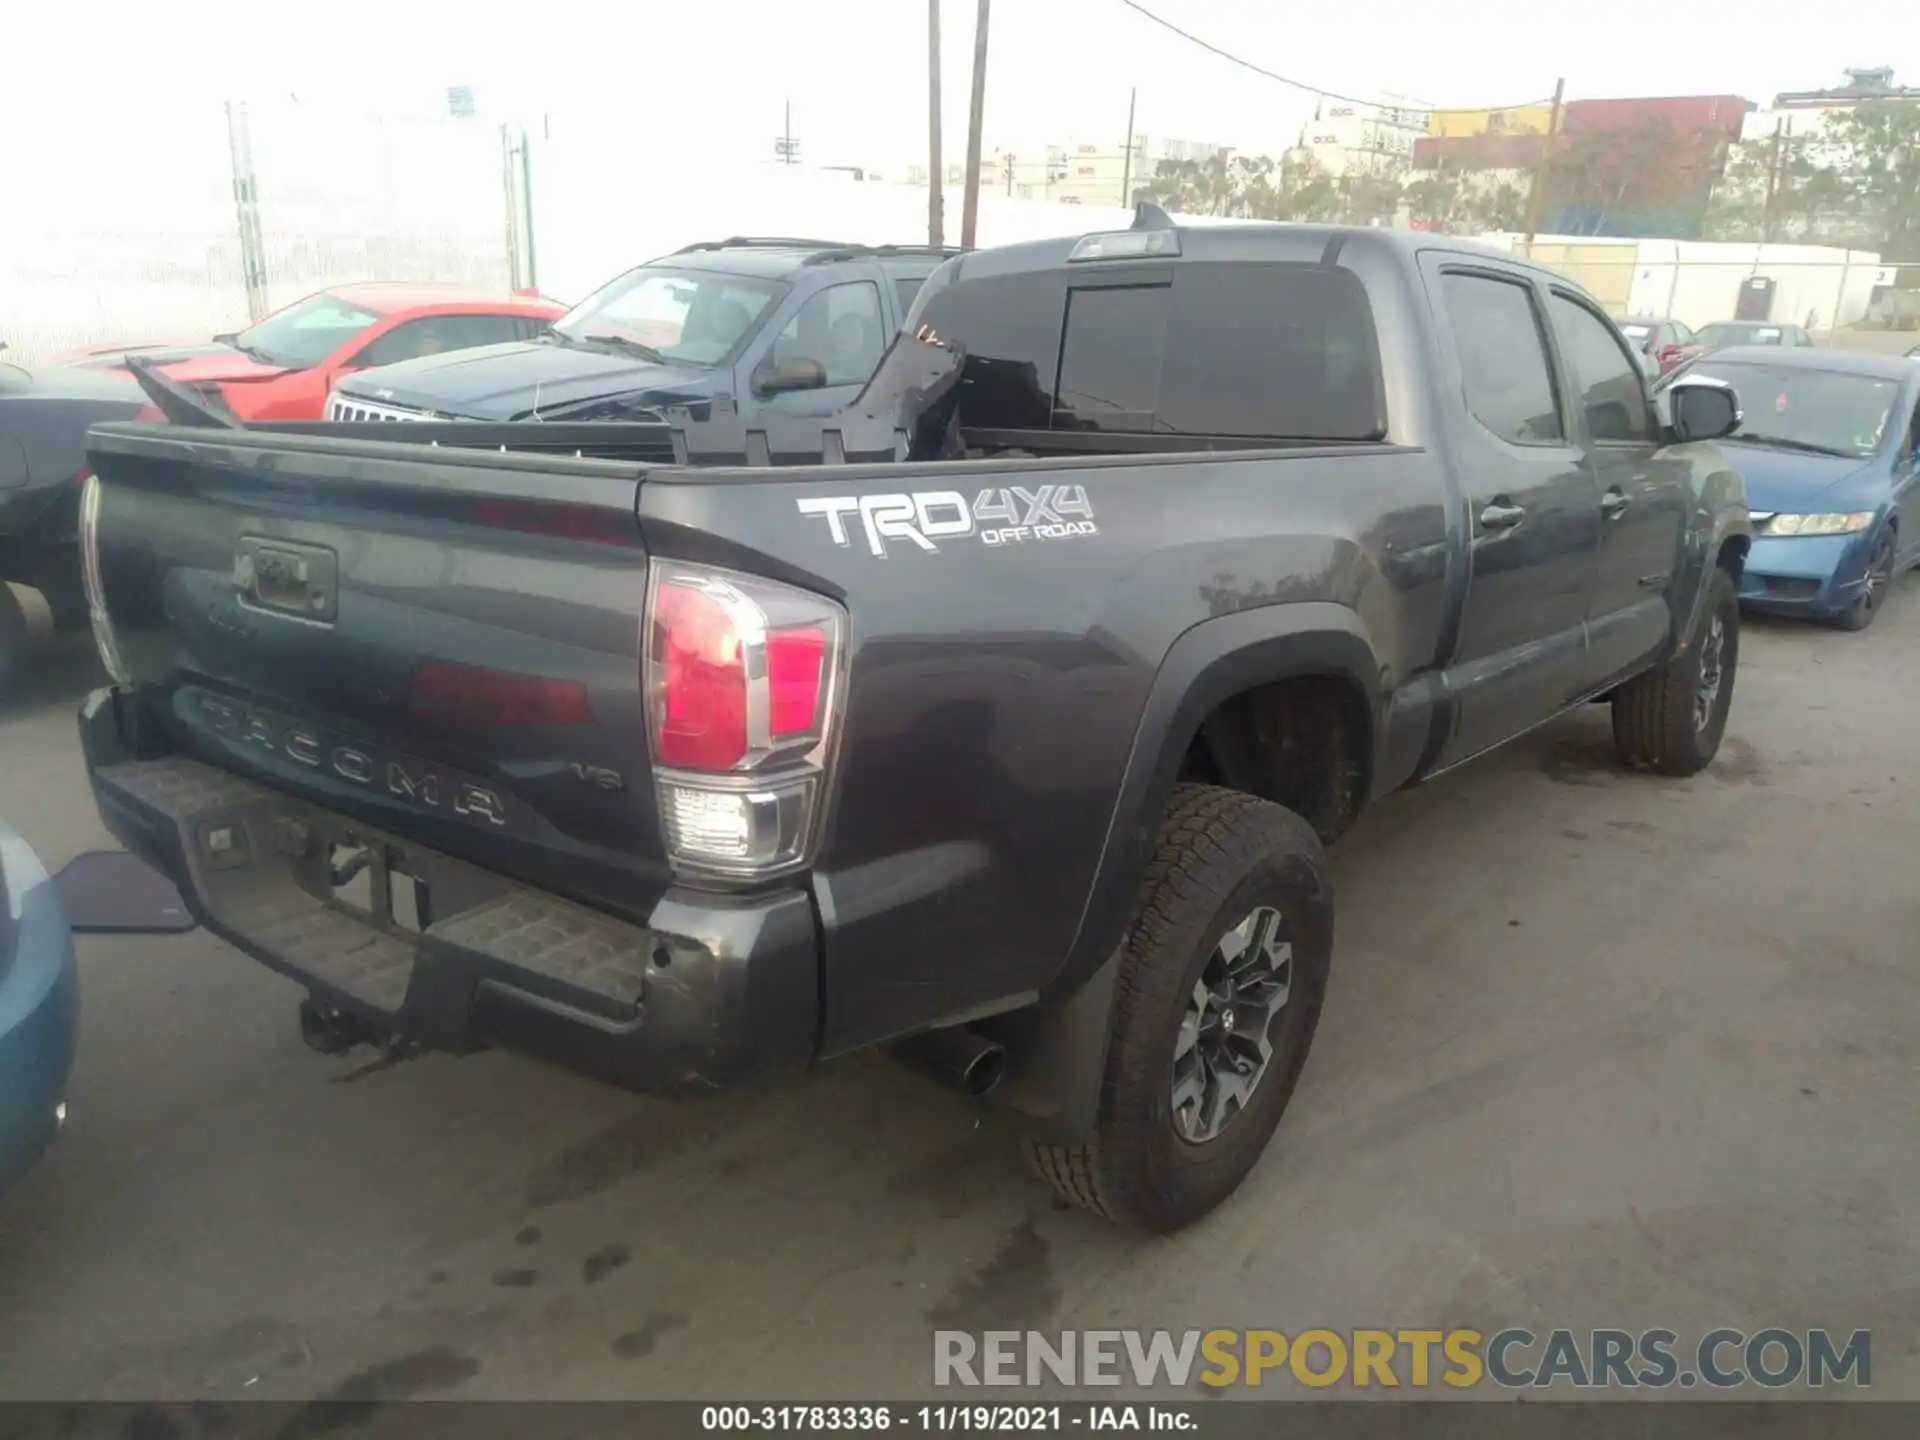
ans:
x=284 y=367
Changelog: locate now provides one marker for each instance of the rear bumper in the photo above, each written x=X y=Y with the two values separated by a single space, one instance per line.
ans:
x=1811 y=575
x=39 y=1008
x=712 y=991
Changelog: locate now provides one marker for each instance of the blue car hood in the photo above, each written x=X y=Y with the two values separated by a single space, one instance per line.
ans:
x=1788 y=480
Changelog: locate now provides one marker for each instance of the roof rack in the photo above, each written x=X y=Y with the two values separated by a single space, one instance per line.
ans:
x=826 y=251
x=855 y=252
x=780 y=242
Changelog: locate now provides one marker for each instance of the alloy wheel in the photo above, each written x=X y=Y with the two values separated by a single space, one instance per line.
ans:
x=1225 y=1041
x=1713 y=670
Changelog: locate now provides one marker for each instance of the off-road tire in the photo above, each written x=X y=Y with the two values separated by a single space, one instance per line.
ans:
x=1860 y=614
x=1219 y=854
x=1654 y=724
x=15 y=639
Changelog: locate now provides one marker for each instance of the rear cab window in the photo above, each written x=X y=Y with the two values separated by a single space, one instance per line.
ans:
x=1237 y=350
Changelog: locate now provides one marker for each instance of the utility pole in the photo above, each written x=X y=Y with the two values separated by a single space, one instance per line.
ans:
x=1126 y=163
x=936 y=172
x=970 y=206
x=1538 y=197
x=1773 y=180
x=1006 y=164
x=246 y=201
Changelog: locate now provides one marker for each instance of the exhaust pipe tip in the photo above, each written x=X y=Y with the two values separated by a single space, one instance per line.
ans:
x=957 y=1056
x=986 y=1072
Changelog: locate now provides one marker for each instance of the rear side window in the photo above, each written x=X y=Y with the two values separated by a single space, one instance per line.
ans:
x=1503 y=358
x=1285 y=351
x=907 y=291
x=1611 y=391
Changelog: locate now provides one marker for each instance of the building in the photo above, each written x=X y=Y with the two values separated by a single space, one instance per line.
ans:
x=1655 y=181
x=1515 y=120
x=1081 y=173
x=1346 y=138
x=1804 y=114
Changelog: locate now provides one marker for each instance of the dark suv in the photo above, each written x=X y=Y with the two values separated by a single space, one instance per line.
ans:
x=794 y=326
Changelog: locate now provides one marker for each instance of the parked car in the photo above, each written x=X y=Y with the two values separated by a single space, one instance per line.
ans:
x=1661 y=340
x=1830 y=447
x=283 y=367
x=1013 y=736
x=44 y=415
x=1724 y=333
x=39 y=1008
x=790 y=326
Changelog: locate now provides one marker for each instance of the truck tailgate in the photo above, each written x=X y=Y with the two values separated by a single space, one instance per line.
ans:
x=443 y=643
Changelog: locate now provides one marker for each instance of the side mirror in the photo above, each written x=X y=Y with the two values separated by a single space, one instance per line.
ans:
x=1702 y=409
x=777 y=378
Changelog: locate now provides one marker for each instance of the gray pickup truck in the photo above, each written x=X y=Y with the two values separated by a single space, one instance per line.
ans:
x=1002 y=719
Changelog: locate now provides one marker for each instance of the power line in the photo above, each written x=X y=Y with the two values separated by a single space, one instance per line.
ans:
x=1288 y=80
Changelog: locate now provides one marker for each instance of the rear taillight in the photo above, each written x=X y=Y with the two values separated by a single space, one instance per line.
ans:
x=744 y=687
x=103 y=638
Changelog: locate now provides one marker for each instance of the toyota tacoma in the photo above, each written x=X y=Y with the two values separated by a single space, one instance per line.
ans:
x=1002 y=718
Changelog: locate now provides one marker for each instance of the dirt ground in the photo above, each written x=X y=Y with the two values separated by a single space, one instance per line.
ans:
x=1600 y=1050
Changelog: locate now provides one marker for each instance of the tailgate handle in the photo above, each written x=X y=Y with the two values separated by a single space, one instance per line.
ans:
x=286 y=578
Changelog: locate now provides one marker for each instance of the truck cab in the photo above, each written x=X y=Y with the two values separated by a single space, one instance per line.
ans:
x=776 y=325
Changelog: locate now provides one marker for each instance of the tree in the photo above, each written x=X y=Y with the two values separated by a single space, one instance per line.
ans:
x=1631 y=174
x=1854 y=182
x=1459 y=201
x=1780 y=187
x=1259 y=187
x=1880 y=141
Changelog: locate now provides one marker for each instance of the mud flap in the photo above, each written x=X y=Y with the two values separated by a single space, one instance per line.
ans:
x=1057 y=1058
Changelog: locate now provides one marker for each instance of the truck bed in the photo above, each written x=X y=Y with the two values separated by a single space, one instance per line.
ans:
x=1008 y=620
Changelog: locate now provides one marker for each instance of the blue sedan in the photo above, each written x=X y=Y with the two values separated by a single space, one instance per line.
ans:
x=1829 y=443
x=39 y=1008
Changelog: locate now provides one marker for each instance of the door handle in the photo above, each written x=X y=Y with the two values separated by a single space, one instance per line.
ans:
x=1613 y=503
x=1501 y=517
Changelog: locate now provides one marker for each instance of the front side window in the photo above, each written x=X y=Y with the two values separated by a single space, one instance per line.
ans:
x=1611 y=391
x=306 y=332
x=1503 y=358
x=842 y=328
x=689 y=317
x=1795 y=407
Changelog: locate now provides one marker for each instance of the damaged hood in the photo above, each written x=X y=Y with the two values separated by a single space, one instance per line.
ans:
x=528 y=379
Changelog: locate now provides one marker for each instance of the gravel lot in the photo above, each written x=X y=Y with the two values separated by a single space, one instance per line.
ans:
x=1599 y=1050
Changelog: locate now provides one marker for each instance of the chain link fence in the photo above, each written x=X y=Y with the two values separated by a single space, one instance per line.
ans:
x=110 y=244
x=1846 y=299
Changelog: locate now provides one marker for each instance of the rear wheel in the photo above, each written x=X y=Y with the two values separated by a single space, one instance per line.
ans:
x=1873 y=589
x=1670 y=720
x=14 y=638
x=1219 y=994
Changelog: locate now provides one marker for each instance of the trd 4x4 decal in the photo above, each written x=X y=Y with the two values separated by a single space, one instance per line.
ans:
x=1004 y=516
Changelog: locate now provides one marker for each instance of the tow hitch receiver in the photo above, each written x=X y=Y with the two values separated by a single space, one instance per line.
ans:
x=334 y=1032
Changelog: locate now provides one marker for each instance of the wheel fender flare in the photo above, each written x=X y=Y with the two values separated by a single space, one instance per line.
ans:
x=1057 y=1049
x=1730 y=521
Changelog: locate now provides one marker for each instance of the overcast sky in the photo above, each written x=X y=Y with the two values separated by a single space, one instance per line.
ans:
x=714 y=74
